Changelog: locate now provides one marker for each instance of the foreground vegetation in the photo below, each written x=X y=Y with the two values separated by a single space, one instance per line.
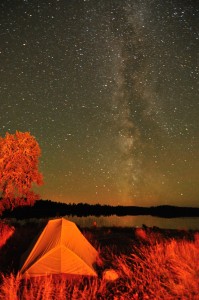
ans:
x=136 y=264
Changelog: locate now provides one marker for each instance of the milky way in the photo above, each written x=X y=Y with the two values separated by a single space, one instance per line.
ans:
x=110 y=91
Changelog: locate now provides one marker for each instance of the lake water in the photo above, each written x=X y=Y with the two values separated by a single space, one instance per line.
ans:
x=137 y=221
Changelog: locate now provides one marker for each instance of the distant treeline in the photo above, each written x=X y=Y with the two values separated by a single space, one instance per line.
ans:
x=48 y=208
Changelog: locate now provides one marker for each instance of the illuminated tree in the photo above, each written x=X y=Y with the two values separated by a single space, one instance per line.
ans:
x=19 y=158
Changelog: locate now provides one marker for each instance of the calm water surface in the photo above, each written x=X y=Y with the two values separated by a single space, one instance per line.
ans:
x=133 y=221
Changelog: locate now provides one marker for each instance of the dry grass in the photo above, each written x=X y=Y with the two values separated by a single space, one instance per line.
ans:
x=159 y=269
x=165 y=270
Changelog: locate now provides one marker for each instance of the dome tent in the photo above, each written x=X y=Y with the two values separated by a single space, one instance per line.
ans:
x=60 y=249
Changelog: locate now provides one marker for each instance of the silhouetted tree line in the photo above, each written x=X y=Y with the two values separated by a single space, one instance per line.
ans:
x=48 y=208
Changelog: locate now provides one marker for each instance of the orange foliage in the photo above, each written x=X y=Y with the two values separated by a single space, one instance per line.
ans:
x=19 y=155
x=6 y=232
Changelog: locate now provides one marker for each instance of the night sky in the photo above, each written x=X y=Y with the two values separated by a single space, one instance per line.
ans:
x=109 y=88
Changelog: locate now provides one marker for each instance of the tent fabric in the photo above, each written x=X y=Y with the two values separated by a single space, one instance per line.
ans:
x=60 y=249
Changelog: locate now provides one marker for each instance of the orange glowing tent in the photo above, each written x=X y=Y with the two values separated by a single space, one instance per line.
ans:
x=60 y=249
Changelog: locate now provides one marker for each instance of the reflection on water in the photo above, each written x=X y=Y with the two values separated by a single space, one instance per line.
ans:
x=133 y=221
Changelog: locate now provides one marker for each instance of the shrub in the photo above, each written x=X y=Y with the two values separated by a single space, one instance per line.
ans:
x=6 y=232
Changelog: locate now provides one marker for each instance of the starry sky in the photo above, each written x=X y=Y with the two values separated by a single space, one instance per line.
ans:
x=109 y=88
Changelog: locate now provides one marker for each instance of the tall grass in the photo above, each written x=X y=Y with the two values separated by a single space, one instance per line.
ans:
x=162 y=269
x=165 y=270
